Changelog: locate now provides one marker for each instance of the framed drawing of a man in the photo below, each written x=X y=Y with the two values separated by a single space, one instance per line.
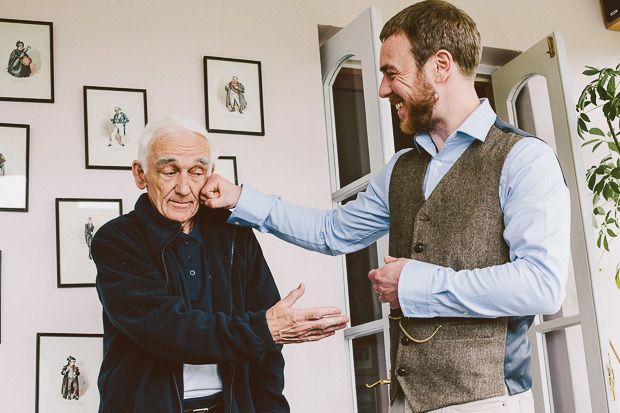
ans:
x=26 y=47
x=233 y=96
x=113 y=121
x=67 y=370
x=77 y=220
x=14 y=154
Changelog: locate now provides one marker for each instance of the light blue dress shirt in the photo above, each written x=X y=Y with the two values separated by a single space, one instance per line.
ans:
x=533 y=197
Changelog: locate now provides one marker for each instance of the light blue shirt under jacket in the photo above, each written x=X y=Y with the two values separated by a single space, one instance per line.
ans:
x=536 y=206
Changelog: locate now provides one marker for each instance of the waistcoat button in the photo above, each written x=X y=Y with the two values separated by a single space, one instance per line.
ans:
x=402 y=372
x=405 y=341
x=419 y=247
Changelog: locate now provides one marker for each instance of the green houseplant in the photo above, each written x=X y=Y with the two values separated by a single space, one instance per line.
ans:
x=600 y=102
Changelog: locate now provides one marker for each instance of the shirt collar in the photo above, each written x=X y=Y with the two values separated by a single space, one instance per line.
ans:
x=477 y=125
x=196 y=234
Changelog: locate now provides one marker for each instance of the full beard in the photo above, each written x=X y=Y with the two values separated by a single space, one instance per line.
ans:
x=419 y=110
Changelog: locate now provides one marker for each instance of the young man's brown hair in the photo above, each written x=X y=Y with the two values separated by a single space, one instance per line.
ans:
x=432 y=25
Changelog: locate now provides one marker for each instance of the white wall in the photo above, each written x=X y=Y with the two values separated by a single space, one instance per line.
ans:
x=159 y=45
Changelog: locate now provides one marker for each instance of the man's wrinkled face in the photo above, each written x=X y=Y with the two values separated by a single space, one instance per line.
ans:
x=178 y=168
x=405 y=86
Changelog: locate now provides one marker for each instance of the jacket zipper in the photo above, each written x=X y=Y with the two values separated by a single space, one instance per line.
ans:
x=232 y=379
x=174 y=377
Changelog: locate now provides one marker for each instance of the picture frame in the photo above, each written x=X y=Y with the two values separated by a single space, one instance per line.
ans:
x=67 y=369
x=28 y=47
x=14 y=166
x=114 y=119
x=226 y=166
x=233 y=96
x=77 y=221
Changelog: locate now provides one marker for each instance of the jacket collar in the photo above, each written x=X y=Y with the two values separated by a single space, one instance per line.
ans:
x=162 y=230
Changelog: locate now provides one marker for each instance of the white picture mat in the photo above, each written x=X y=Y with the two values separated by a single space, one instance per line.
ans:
x=13 y=185
x=53 y=354
x=226 y=168
x=219 y=74
x=37 y=36
x=100 y=106
x=75 y=266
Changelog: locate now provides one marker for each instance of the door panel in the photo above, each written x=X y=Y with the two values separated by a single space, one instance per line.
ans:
x=360 y=142
x=559 y=361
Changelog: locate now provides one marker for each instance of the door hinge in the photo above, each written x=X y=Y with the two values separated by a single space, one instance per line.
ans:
x=551 y=44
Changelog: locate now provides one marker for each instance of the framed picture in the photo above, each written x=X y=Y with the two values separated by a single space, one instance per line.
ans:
x=27 y=46
x=67 y=370
x=77 y=221
x=226 y=166
x=233 y=96
x=113 y=122
x=14 y=154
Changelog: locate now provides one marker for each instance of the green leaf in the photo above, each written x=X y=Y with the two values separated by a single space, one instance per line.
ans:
x=598 y=188
x=607 y=110
x=597 y=145
x=613 y=147
x=605 y=244
x=584 y=117
x=589 y=142
x=590 y=72
x=592 y=182
x=602 y=93
x=599 y=211
x=581 y=124
x=611 y=86
x=600 y=238
x=611 y=233
x=597 y=131
x=607 y=193
x=618 y=278
x=594 y=223
x=614 y=187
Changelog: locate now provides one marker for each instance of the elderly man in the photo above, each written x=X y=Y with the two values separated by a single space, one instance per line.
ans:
x=478 y=220
x=192 y=317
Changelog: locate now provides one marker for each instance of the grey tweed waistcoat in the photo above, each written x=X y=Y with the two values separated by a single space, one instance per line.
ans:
x=459 y=226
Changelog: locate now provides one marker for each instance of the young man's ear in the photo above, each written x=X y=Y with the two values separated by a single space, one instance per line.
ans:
x=443 y=65
x=138 y=174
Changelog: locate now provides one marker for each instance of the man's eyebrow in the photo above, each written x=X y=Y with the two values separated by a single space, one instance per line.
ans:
x=164 y=160
x=387 y=67
x=202 y=160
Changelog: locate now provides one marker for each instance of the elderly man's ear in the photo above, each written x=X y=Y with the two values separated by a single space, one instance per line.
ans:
x=138 y=174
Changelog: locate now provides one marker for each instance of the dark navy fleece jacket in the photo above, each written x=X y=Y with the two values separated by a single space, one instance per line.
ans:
x=150 y=330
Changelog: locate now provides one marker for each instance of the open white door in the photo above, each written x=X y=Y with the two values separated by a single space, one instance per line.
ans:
x=532 y=92
x=360 y=142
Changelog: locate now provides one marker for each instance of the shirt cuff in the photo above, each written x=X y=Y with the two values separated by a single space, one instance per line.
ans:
x=252 y=208
x=414 y=289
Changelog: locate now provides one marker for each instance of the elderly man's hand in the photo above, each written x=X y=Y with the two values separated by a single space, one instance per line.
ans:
x=386 y=280
x=219 y=193
x=291 y=325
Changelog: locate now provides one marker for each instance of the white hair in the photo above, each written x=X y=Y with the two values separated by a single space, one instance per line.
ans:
x=170 y=127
